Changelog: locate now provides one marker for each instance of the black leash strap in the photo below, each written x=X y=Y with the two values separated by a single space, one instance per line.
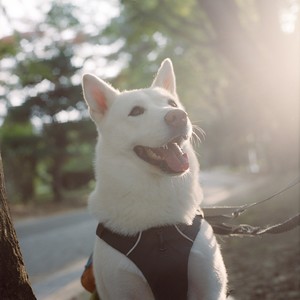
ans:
x=243 y=208
x=243 y=229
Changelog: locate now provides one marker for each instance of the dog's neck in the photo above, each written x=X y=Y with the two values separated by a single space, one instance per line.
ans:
x=129 y=199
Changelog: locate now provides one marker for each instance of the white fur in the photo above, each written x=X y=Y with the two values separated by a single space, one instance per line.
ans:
x=131 y=195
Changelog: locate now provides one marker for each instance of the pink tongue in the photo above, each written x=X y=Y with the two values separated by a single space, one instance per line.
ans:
x=175 y=160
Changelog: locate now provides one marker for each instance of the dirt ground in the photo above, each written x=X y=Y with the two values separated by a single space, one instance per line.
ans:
x=266 y=267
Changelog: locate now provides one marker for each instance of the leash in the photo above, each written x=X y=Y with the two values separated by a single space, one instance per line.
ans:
x=216 y=215
x=244 y=229
x=243 y=208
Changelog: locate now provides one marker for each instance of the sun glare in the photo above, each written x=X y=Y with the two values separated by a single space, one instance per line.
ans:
x=289 y=16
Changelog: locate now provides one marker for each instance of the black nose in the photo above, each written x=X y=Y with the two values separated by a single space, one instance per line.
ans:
x=176 y=118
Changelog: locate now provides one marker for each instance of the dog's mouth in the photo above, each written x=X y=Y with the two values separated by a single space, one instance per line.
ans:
x=170 y=158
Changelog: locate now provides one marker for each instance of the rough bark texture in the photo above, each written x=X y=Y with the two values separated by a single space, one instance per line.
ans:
x=14 y=283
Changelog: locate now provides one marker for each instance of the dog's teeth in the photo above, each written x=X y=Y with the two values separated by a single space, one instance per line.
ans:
x=153 y=155
x=179 y=148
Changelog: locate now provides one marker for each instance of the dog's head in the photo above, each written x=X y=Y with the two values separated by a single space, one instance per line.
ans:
x=147 y=125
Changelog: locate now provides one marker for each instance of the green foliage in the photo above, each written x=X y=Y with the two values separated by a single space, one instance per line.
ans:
x=8 y=48
x=20 y=148
x=62 y=16
x=33 y=71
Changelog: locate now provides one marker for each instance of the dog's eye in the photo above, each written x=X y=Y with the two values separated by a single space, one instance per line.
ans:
x=172 y=103
x=136 y=111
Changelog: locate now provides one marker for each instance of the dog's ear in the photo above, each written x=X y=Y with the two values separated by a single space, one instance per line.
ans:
x=165 y=77
x=98 y=95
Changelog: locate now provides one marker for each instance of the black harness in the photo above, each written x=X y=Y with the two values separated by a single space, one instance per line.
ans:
x=161 y=253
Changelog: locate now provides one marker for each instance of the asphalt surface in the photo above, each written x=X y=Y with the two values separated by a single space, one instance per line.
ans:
x=55 y=248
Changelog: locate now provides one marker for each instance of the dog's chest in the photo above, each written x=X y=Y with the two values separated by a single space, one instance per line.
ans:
x=161 y=254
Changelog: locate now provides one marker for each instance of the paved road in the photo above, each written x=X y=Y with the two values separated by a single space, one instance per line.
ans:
x=55 y=248
x=52 y=246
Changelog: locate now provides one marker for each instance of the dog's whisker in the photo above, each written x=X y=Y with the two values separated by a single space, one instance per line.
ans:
x=199 y=129
x=195 y=123
x=195 y=140
x=197 y=134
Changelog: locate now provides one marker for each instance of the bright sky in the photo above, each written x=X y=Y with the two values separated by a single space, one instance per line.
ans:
x=288 y=17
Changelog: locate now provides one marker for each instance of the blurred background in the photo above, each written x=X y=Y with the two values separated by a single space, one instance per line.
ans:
x=237 y=64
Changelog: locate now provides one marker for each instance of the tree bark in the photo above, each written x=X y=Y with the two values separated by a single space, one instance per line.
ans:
x=14 y=282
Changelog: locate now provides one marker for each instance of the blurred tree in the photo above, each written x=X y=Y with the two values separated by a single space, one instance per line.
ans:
x=47 y=105
x=264 y=92
x=20 y=145
x=78 y=170
x=36 y=134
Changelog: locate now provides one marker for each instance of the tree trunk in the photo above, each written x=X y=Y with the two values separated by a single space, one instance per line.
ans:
x=14 y=283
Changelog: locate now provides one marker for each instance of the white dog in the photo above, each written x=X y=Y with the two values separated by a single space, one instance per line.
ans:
x=147 y=177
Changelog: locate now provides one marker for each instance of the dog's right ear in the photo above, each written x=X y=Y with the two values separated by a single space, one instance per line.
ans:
x=165 y=77
x=98 y=95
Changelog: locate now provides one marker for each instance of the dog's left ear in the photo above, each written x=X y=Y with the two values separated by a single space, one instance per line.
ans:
x=165 y=77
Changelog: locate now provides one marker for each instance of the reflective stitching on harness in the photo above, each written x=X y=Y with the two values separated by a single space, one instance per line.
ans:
x=136 y=243
x=185 y=236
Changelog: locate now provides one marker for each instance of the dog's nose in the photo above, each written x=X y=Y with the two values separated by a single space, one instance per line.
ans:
x=176 y=118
